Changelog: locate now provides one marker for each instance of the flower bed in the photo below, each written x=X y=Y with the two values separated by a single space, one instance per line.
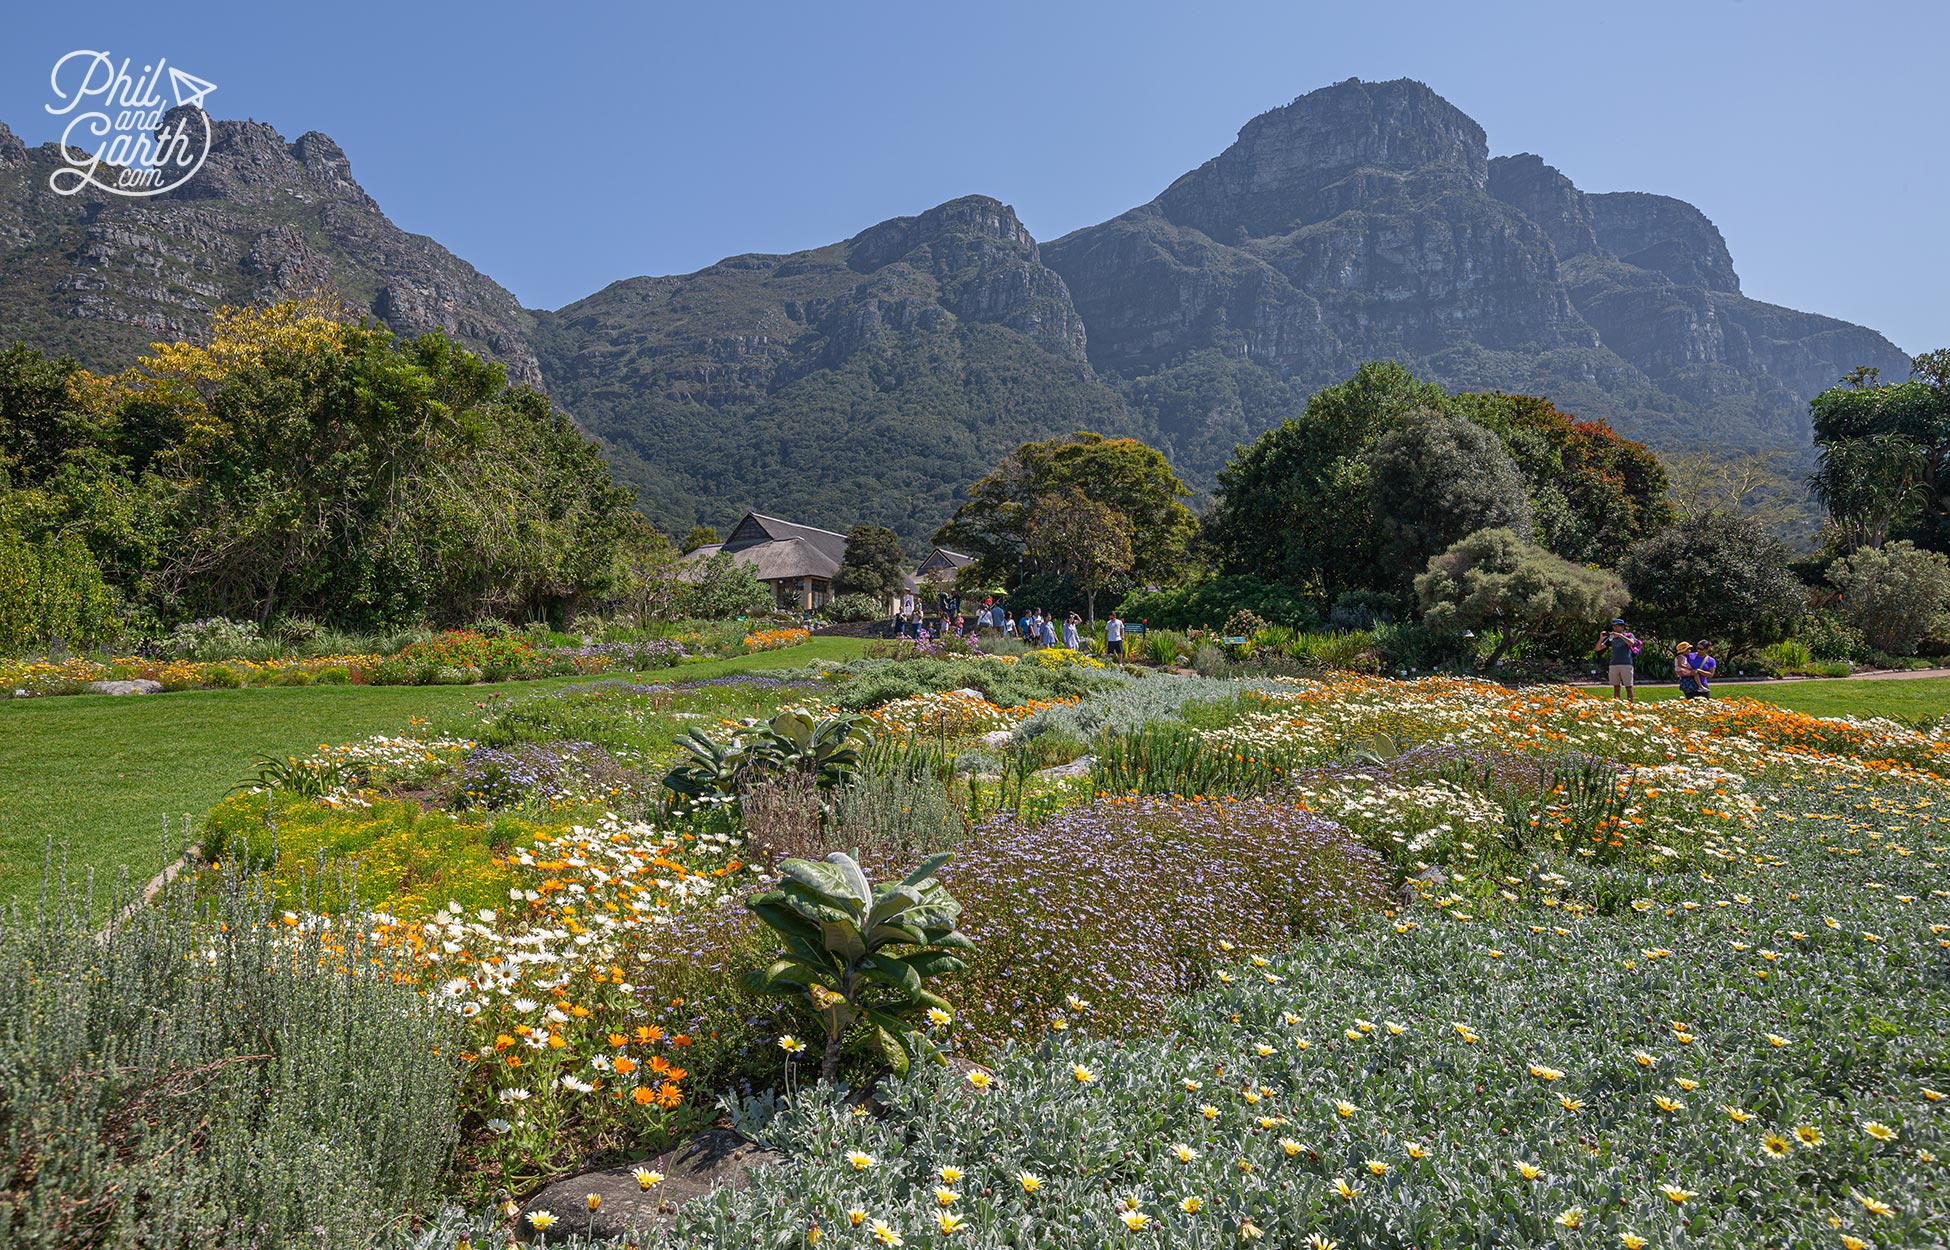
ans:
x=773 y=639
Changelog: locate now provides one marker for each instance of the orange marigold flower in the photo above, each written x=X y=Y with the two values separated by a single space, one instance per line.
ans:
x=644 y=1095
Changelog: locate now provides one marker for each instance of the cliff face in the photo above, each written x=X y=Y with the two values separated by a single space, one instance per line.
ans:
x=101 y=276
x=871 y=379
x=868 y=380
x=1366 y=220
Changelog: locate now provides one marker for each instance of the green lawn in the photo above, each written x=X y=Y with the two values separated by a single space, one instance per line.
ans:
x=100 y=776
x=1928 y=696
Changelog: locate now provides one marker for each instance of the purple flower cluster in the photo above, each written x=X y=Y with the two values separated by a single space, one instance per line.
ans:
x=649 y=653
x=1126 y=902
x=559 y=771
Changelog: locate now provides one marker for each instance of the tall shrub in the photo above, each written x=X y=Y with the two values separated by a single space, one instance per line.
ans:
x=1893 y=594
x=51 y=592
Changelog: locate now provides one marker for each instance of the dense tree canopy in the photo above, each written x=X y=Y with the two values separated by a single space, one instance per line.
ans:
x=1287 y=500
x=1436 y=478
x=874 y=564
x=1718 y=576
x=1885 y=456
x=297 y=463
x=1132 y=481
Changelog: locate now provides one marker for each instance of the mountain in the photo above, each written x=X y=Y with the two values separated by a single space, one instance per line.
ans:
x=1367 y=220
x=101 y=276
x=872 y=379
x=869 y=380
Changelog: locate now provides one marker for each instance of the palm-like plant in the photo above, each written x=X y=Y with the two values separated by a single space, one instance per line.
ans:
x=861 y=955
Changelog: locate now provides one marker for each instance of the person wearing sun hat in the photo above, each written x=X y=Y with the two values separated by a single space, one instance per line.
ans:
x=1682 y=664
x=1624 y=648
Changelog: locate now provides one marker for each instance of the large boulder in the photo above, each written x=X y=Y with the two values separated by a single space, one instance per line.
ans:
x=141 y=685
x=706 y=1163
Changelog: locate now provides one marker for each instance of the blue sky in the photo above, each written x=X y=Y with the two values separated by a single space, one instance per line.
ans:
x=561 y=146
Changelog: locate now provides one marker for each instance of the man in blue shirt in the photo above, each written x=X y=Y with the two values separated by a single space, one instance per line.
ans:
x=1623 y=647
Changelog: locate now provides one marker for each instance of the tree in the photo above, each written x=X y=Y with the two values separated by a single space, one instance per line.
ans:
x=725 y=586
x=1493 y=580
x=1893 y=594
x=1436 y=478
x=1592 y=491
x=1759 y=485
x=700 y=536
x=1718 y=576
x=1121 y=474
x=1072 y=535
x=874 y=563
x=1291 y=505
x=1885 y=455
x=297 y=462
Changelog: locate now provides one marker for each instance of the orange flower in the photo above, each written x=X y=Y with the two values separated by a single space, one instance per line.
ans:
x=626 y=1065
x=617 y=1039
x=644 y=1095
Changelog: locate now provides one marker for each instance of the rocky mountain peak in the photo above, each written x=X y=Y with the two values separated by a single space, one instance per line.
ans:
x=13 y=153
x=1665 y=235
x=1285 y=167
x=1548 y=198
x=970 y=218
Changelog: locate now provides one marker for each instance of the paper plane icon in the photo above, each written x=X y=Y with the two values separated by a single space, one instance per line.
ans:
x=189 y=89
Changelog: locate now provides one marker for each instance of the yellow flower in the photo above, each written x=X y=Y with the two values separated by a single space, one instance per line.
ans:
x=1676 y=1194
x=1249 y=1230
x=980 y=1079
x=1569 y=1103
x=860 y=1160
x=1543 y=1073
x=1808 y=1135
x=1029 y=1181
x=593 y=1201
x=1776 y=1040
x=791 y=1045
x=1416 y=1150
x=1262 y=1050
x=1642 y=1059
x=1083 y=1075
x=944 y=1196
x=1290 y=1146
x=1851 y=1242
x=938 y=1017
x=1529 y=1171
x=1631 y=1241
x=1344 y=1108
x=1571 y=1217
x=950 y=1174
x=950 y=1222
x=1377 y=1167
x=1776 y=1145
x=645 y=1178
x=1344 y=1189
x=1687 y=1085
x=1736 y=1114
x=540 y=1220
x=1209 y=1111
x=1184 y=1154
x=1191 y=1205
x=1873 y=1206
x=856 y=1217
x=1934 y=1096
x=1669 y=1104
x=885 y=1235
x=1134 y=1220
x=1879 y=1130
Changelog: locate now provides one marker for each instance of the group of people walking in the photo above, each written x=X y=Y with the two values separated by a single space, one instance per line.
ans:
x=1692 y=661
x=1035 y=628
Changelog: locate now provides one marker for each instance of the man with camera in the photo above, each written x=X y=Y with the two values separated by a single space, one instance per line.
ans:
x=1623 y=648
